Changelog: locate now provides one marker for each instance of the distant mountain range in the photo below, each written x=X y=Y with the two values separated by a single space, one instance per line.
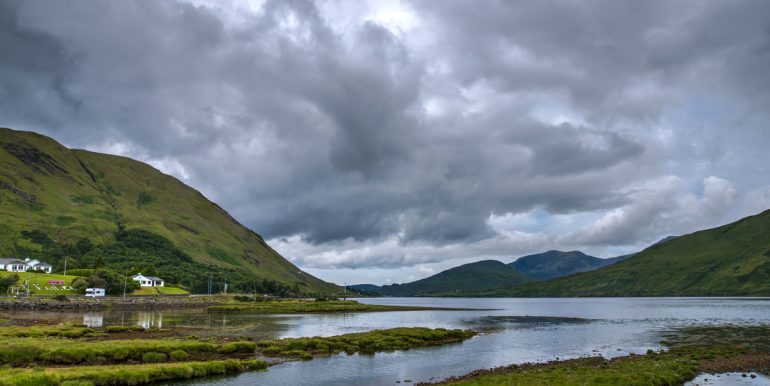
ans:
x=730 y=260
x=492 y=274
x=553 y=264
x=481 y=275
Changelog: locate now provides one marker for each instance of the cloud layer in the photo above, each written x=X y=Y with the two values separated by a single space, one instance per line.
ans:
x=386 y=135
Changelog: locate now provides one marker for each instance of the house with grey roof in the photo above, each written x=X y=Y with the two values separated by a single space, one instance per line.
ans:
x=38 y=266
x=13 y=265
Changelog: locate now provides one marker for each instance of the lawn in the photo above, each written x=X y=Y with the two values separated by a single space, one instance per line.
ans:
x=160 y=291
x=40 y=284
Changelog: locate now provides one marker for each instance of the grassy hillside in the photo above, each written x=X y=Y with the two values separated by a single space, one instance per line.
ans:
x=553 y=264
x=55 y=202
x=469 y=277
x=729 y=260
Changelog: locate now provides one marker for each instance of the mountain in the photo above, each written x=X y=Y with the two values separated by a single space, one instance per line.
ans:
x=104 y=209
x=469 y=277
x=553 y=264
x=366 y=287
x=730 y=260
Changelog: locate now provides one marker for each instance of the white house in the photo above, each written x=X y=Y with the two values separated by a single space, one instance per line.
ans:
x=37 y=265
x=148 y=281
x=13 y=265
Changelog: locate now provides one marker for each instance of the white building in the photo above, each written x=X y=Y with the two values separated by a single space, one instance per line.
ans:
x=39 y=266
x=148 y=281
x=13 y=265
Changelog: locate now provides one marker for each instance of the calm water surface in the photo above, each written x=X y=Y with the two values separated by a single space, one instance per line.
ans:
x=606 y=326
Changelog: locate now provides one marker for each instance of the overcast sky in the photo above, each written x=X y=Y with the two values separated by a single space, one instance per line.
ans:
x=384 y=141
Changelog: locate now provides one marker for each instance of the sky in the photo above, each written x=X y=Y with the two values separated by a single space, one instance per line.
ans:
x=385 y=141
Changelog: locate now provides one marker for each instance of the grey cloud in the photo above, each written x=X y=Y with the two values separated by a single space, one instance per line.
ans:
x=304 y=130
x=34 y=73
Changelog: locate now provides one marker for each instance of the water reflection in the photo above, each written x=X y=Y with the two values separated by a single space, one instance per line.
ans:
x=93 y=319
x=150 y=319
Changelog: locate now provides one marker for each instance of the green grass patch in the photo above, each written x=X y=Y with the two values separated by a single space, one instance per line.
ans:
x=647 y=370
x=125 y=374
x=160 y=291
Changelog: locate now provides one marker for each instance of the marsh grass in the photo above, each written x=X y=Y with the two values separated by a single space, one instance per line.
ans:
x=125 y=374
x=58 y=351
x=364 y=342
x=643 y=370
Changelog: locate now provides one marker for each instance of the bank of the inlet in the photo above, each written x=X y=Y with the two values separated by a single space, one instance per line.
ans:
x=691 y=351
x=216 y=303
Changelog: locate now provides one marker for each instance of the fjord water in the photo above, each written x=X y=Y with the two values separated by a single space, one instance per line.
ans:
x=514 y=331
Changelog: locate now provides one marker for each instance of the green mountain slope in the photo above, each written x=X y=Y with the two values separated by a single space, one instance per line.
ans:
x=729 y=260
x=469 y=277
x=92 y=207
x=553 y=264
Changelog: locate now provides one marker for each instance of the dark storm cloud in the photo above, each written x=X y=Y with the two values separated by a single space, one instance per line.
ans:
x=34 y=73
x=365 y=132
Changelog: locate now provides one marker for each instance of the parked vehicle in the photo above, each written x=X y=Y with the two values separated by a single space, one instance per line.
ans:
x=94 y=292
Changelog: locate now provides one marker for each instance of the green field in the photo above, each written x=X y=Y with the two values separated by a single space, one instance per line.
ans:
x=40 y=284
x=160 y=291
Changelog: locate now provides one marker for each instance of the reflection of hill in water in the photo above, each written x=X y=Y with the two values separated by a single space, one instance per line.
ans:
x=488 y=323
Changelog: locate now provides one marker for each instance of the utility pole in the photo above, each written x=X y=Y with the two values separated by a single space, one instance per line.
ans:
x=125 y=280
x=209 y=283
x=65 y=265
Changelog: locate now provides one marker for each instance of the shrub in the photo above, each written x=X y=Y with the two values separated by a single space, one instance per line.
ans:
x=61 y=298
x=153 y=357
x=178 y=355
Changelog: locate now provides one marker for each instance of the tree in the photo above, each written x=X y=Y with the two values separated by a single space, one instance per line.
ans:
x=111 y=281
x=99 y=262
x=8 y=281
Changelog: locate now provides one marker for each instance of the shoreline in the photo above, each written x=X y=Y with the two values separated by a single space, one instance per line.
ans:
x=39 y=303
